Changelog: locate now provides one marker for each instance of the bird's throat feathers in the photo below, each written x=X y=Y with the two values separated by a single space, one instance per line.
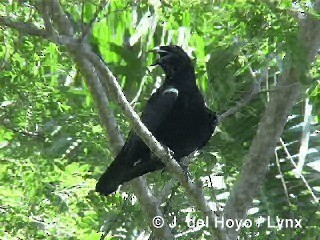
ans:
x=180 y=76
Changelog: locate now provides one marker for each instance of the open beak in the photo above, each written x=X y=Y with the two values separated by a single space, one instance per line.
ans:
x=158 y=50
x=161 y=52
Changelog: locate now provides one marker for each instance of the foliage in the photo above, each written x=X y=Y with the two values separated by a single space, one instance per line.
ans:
x=53 y=148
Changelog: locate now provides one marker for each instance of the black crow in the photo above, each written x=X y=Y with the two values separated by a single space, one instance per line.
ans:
x=176 y=115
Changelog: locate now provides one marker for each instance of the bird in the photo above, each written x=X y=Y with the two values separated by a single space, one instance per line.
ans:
x=176 y=114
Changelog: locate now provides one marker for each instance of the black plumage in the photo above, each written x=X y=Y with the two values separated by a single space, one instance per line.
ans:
x=176 y=115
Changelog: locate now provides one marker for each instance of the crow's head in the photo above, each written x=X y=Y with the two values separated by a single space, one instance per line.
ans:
x=172 y=59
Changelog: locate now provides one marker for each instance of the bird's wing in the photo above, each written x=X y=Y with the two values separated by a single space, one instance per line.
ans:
x=158 y=107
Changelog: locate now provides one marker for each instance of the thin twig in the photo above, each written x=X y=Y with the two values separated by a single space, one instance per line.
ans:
x=304 y=144
x=256 y=88
x=94 y=18
x=299 y=174
x=285 y=189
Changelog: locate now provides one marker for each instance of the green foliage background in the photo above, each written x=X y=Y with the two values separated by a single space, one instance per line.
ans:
x=53 y=149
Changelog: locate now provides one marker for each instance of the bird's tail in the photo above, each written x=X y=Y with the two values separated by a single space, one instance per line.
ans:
x=121 y=171
x=111 y=178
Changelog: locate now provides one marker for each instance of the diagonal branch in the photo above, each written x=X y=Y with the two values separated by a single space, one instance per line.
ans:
x=140 y=187
x=298 y=174
x=82 y=49
x=304 y=143
x=89 y=26
x=195 y=192
x=285 y=189
x=161 y=152
x=26 y=28
x=256 y=88
x=94 y=77
x=262 y=148
x=55 y=17
x=271 y=127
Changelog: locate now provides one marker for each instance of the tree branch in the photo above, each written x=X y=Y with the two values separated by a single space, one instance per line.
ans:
x=305 y=137
x=262 y=148
x=270 y=128
x=285 y=189
x=289 y=156
x=82 y=49
x=140 y=187
x=141 y=130
x=26 y=28
x=256 y=88
x=54 y=15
